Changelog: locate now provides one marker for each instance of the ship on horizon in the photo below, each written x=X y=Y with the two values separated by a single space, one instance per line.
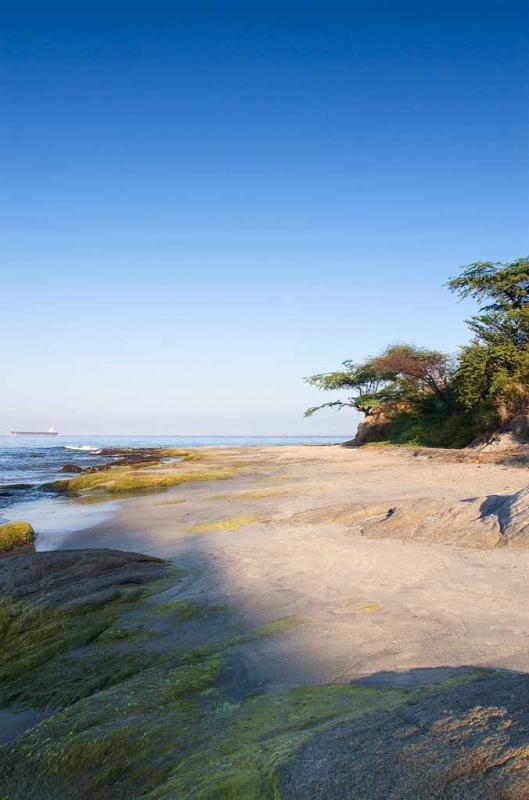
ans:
x=50 y=432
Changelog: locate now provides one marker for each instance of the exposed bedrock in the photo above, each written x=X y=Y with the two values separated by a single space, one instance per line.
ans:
x=492 y=521
x=127 y=716
x=69 y=579
x=465 y=743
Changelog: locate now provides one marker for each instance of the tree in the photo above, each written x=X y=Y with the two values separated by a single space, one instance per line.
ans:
x=493 y=369
x=422 y=370
x=506 y=286
x=420 y=396
x=400 y=376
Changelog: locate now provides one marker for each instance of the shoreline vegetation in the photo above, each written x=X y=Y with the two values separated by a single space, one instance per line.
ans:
x=424 y=397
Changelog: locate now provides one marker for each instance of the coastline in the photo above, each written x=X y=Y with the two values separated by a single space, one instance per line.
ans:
x=254 y=539
x=278 y=619
x=27 y=464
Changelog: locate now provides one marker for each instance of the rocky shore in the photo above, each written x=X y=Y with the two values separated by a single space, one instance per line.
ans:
x=310 y=623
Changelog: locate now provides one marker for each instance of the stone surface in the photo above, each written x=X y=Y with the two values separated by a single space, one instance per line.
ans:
x=75 y=578
x=470 y=742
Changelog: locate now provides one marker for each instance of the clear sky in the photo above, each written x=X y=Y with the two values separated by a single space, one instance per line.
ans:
x=203 y=202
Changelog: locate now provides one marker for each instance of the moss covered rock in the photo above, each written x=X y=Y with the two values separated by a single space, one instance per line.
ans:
x=53 y=607
x=137 y=713
x=15 y=536
x=136 y=716
x=131 y=480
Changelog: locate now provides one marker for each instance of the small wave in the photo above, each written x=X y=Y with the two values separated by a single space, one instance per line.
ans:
x=83 y=448
x=11 y=488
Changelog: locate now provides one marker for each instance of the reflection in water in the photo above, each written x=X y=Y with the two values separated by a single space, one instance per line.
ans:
x=53 y=518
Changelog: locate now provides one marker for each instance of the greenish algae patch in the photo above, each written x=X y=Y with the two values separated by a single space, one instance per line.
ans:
x=258 y=494
x=38 y=667
x=14 y=535
x=53 y=656
x=123 y=633
x=281 y=625
x=127 y=480
x=154 y=725
x=185 y=609
x=254 y=739
x=281 y=478
x=371 y=608
x=228 y=524
x=170 y=732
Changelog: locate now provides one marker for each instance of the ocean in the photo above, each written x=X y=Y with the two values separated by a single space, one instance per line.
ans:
x=28 y=462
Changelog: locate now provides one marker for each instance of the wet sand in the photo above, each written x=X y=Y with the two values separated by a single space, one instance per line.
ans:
x=357 y=606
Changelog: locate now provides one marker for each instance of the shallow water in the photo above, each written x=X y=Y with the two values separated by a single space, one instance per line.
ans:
x=30 y=461
x=53 y=518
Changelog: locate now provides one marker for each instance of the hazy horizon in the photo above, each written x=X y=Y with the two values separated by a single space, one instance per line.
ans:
x=74 y=435
x=203 y=205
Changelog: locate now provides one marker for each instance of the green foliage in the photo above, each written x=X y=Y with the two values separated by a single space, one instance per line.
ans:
x=435 y=424
x=400 y=375
x=506 y=286
x=493 y=371
x=429 y=401
x=368 y=387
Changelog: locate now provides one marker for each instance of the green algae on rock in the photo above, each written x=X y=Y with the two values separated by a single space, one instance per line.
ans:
x=53 y=609
x=257 y=494
x=136 y=719
x=127 y=480
x=169 y=731
x=133 y=720
x=184 y=609
x=16 y=535
x=227 y=524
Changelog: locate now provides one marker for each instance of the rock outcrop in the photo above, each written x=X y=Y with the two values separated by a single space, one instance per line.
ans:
x=126 y=718
x=75 y=579
x=373 y=429
x=466 y=743
x=494 y=521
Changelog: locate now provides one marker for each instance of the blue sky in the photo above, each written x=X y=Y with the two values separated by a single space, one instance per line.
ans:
x=202 y=203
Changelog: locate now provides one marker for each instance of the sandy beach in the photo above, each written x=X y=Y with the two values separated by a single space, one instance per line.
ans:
x=281 y=623
x=359 y=605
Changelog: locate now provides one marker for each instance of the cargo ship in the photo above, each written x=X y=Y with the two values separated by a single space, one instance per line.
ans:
x=50 y=432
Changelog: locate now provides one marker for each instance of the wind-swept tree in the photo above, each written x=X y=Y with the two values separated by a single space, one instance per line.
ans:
x=400 y=376
x=419 y=395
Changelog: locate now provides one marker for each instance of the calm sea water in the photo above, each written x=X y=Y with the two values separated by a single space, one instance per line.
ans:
x=29 y=461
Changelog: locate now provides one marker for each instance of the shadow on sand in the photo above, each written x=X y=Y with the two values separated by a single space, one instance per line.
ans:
x=462 y=732
x=452 y=732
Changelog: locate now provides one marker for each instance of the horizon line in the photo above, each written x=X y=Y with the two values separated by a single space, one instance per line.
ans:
x=211 y=435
